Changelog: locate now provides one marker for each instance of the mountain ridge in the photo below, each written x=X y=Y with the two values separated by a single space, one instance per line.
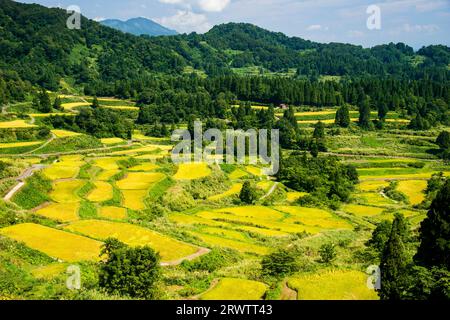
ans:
x=139 y=26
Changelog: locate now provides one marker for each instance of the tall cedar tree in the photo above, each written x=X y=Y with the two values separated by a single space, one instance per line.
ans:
x=343 y=117
x=393 y=264
x=364 y=114
x=248 y=193
x=443 y=140
x=57 y=105
x=95 y=103
x=434 y=249
x=45 y=105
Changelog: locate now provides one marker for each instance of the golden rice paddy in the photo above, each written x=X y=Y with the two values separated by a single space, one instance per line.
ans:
x=19 y=144
x=103 y=191
x=144 y=167
x=57 y=171
x=65 y=133
x=170 y=249
x=185 y=219
x=217 y=241
x=109 y=163
x=107 y=174
x=140 y=180
x=63 y=212
x=314 y=217
x=254 y=171
x=114 y=213
x=293 y=196
x=413 y=189
x=110 y=141
x=333 y=285
x=55 y=243
x=131 y=108
x=50 y=271
x=148 y=148
x=192 y=171
x=65 y=191
x=235 y=189
x=72 y=105
x=236 y=289
x=265 y=185
x=362 y=211
x=15 y=124
x=259 y=212
x=237 y=174
x=369 y=186
x=134 y=199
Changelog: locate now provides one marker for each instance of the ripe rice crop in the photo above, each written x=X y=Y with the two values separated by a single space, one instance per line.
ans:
x=369 y=186
x=114 y=213
x=293 y=196
x=144 y=167
x=139 y=180
x=107 y=174
x=109 y=163
x=192 y=171
x=230 y=234
x=111 y=140
x=15 y=124
x=63 y=212
x=217 y=241
x=185 y=219
x=19 y=144
x=333 y=285
x=55 y=243
x=362 y=211
x=237 y=174
x=254 y=171
x=413 y=189
x=103 y=192
x=314 y=217
x=50 y=271
x=73 y=105
x=254 y=211
x=236 y=289
x=235 y=189
x=65 y=191
x=134 y=199
x=146 y=149
x=265 y=185
x=170 y=249
x=65 y=133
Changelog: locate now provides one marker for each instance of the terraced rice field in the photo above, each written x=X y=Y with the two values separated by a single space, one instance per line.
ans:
x=192 y=171
x=254 y=171
x=111 y=141
x=55 y=243
x=146 y=149
x=65 y=133
x=333 y=285
x=122 y=108
x=65 y=191
x=103 y=191
x=185 y=219
x=376 y=199
x=134 y=199
x=235 y=189
x=293 y=196
x=107 y=174
x=170 y=249
x=50 y=271
x=73 y=105
x=109 y=163
x=63 y=212
x=314 y=217
x=236 y=289
x=19 y=144
x=114 y=213
x=241 y=246
x=237 y=174
x=362 y=211
x=371 y=186
x=265 y=185
x=140 y=180
x=15 y=124
x=414 y=190
x=144 y=167
x=58 y=171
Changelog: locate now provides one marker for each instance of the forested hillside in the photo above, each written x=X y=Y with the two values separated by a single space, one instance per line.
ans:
x=36 y=44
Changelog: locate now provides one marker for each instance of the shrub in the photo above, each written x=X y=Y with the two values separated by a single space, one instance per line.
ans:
x=327 y=253
x=280 y=263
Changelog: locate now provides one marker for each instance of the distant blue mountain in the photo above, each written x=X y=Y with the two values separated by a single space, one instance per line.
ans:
x=139 y=26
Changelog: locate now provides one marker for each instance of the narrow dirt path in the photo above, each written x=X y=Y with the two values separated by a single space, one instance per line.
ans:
x=21 y=180
x=199 y=253
x=272 y=190
x=53 y=137
x=287 y=293
x=214 y=283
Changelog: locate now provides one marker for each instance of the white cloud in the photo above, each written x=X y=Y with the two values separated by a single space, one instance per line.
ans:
x=172 y=1
x=213 y=5
x=316 y=27
x=185 y=21
x=428 y=28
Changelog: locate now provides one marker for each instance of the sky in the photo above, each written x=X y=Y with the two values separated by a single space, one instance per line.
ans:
x=362 y=22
